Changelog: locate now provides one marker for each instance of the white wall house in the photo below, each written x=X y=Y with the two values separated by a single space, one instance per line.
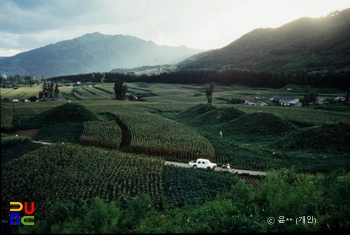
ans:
x=285 y=100
x=322 y=100
x=253 y=101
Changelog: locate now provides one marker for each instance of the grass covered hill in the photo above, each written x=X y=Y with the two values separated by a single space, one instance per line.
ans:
x=328 y=137
x=67 y=113
x=208 y=113
x=221 y=115
x=260 y=124
x=197 y=110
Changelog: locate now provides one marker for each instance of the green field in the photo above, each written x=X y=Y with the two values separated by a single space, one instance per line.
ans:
x=116 y=149
x=162 y=123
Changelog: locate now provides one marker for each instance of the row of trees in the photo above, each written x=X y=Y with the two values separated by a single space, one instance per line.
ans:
x=227 y=77
x=252 y=78
x=49 y=90
x=10 y=81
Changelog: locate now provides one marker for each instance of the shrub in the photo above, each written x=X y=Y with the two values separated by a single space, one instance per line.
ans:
x=33 y=98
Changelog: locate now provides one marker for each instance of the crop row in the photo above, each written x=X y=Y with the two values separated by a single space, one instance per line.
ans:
x=101 y=94
x=101 y=134
x=89 y=93
x=183 y=186
x=239 y=157
x=106 y=89
x=72 y=172
x=22 y=92
x=158 y=136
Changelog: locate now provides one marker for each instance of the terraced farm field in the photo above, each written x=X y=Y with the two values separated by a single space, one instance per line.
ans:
x=116 y=149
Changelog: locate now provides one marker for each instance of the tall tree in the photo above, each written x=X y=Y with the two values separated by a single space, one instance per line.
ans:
x=209 y=93
x=56 y=91
x=310 y=96
x=102 y=78
x=47 y=91
x=120 y=89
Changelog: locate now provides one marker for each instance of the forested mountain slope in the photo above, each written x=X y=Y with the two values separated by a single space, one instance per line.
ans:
x=310 y=44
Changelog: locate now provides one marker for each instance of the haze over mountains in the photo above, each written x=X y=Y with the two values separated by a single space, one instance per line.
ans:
x=310 y=44
x=307 y=44
x=93 y=52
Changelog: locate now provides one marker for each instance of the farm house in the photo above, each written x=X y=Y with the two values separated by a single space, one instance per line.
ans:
x=253 y=101
x=285 y=100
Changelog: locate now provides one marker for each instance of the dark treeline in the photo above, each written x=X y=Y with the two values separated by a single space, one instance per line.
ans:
x=92 y=77
x=228 y=77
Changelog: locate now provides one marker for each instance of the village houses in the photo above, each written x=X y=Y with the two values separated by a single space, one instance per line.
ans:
x=253 y=101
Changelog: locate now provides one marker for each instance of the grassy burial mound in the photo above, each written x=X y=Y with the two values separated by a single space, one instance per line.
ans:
x=63 y=123
x=330 y=137
x=69 y=112
x=67 y=172
x=196 y=110
x=72 y=113
x=260 y=124
x=221 y=115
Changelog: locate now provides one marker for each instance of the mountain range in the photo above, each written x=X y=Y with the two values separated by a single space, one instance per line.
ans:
x=92 y=52
x=308 y=44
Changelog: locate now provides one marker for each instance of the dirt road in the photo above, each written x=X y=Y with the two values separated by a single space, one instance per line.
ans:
x=239 y=171
x=41 y=142
x=33 y=132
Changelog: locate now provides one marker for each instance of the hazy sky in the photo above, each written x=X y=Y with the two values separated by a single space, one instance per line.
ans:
x=200 y=24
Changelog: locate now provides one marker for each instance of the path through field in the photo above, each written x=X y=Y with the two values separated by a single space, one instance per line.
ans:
x=239 y=171
x=126 y=136
x=41 y=142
